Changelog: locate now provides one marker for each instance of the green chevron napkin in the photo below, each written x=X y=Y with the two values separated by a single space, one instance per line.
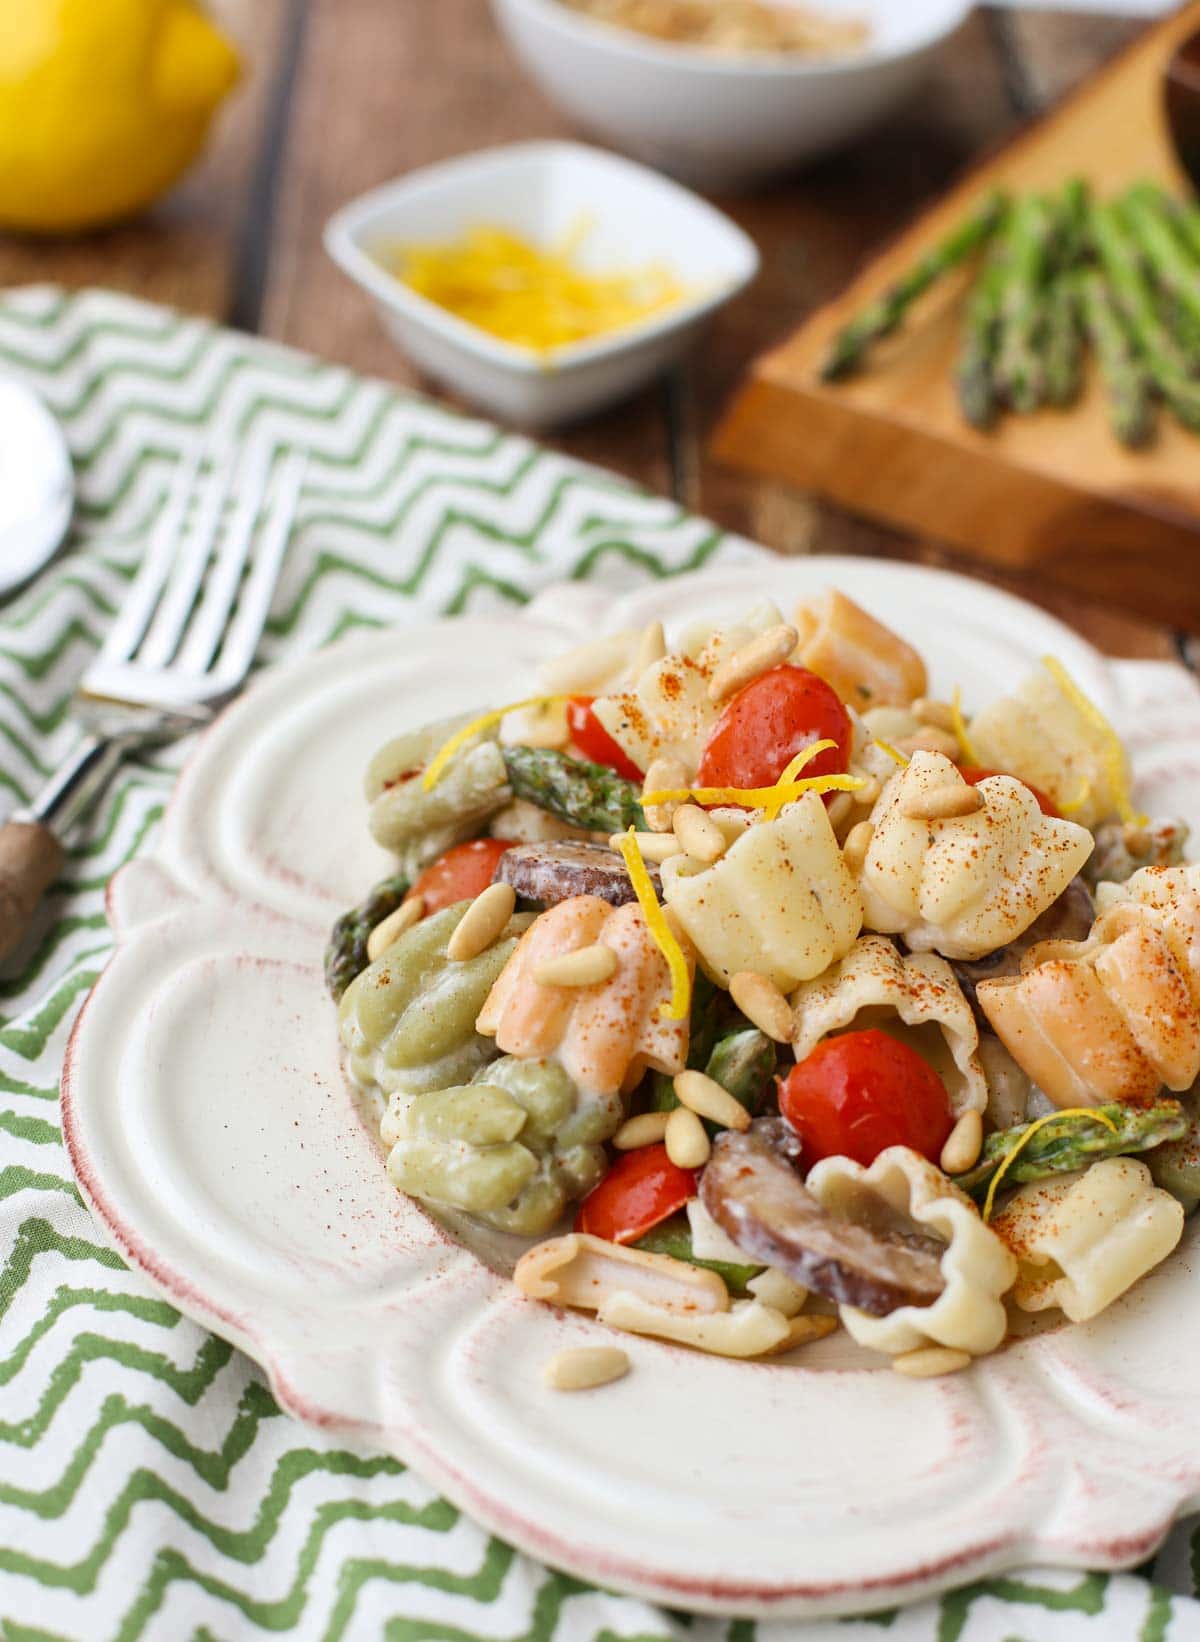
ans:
x=149 y=1486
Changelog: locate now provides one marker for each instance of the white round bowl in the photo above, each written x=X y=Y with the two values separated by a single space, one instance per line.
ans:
x=725 y=122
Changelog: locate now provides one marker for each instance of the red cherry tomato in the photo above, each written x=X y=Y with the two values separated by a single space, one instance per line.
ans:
x=859 y=1093
x=975 y=776
x=640 y=1189
x=594 y=741
x=769 y=721
x=460 y=875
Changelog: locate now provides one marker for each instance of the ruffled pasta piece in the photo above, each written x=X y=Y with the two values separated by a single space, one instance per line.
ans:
x=585 y=1271
x=977 y=1267
x=971 y=883
x=867 y=664
x=1113 y=1017
x=604 y=1036
x=667 y=712
x=417 y=823
x=915 y=998
x=1170 y=897
x=748 y=1329
x=781 y=900
x=1042 y=734
x=868 y=763
x=1083 y=1240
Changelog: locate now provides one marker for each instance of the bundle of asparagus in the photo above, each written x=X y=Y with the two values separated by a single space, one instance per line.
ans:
x=1057 y=274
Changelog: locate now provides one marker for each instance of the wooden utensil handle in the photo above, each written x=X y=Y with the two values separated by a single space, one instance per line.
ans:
x=30 y=857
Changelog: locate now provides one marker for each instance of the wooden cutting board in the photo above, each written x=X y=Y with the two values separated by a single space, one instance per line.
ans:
x=1053 y=492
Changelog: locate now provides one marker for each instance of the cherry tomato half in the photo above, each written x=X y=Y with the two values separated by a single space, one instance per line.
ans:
x=769 y=721
x=461 y=874
x=594 y=741
x=640 y=1189
x=859 y=1093
x=975 y=776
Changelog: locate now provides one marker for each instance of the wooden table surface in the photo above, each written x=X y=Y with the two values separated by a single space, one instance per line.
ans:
x=341 y=95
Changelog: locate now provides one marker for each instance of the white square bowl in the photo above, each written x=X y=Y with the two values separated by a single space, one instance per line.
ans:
x=541 y=190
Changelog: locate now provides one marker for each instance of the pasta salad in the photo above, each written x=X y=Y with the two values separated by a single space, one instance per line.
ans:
x=766 y=993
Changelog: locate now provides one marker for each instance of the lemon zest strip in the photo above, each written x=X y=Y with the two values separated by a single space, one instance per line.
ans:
x=792 y=769
x=660 y=931
x=1070 y=806
x=965 y=743
x=1114 y=752
x=1092 y=1114
x=437 y=764
x=894 y=753
x=756 y=798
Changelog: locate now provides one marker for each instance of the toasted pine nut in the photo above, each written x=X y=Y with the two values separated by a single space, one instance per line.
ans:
x=801 y=1330
x=938 y=713
x=858 y=842
x=652 y=647
x=586 y=966
x=705 y=1096
x=664 y=775
x=930 y=740
x=655 y=846
x=646 y=1129
x=759 y=656
x=928 y=1362
x=688 y=1145
x=1136 y=840
x=942 y=803
x=580 y=1368
x=698 y=833
x=763 y=1004
x=391 y=928
x=481 y=923
x=963 y=1144
x=868 y=792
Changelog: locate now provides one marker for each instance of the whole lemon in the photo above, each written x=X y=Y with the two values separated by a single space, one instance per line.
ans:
x=103 y=104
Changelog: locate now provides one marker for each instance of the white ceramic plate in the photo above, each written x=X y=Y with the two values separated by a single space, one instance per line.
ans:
x=213 y=1135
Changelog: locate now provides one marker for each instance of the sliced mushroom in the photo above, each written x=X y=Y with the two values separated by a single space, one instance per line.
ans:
x=751 y=1188
x=549 y=873
x=1067 y=919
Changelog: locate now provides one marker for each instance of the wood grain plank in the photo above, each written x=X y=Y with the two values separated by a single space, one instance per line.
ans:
x=400 y=88
x=185 y=251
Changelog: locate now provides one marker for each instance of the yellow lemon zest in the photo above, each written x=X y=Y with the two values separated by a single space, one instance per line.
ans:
x=437 y=764
x=960 y=727
x=1070 y=806
x=660 y=930
x=756 y=798
x=1090 y=1113
x=894 y=753
x=532 y=296
x=1114 y=752
x=792 y=769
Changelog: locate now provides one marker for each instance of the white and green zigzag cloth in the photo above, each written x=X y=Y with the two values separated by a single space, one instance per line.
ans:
x=149 y=1486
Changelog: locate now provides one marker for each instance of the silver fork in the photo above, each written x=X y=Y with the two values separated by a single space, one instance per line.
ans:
x=179 y=649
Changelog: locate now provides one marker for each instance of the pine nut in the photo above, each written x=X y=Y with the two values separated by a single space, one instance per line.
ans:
x=586 y=966
x=938 y=713
x=942 y=803
x=858 y=842
x=652 y=647
x=655 y=846
x=646 y=1129
x=481 y=923
x=930 y=740
x=664 y=775
x=581 y=1368
x=706 y=1097
x=1136 y=840
x=763 y=1004
x=759 y=656
x=928 y=1362
x=688 y=1145
x=963 y=1144
x=391 y=928
x=868 y=792
x=698 y=833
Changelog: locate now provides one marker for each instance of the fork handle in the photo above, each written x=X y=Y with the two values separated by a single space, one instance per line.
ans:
x=30 y=858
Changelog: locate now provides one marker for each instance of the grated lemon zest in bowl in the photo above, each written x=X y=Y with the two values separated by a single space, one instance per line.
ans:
x=1114 y=752
x=966 y=746
x=436 y=767
x=532 y=296
x=1090 y=1113
x=660 y=930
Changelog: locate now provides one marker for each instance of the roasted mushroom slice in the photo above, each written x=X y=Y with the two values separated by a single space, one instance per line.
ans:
x=752 y=1190
x=551 y=872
